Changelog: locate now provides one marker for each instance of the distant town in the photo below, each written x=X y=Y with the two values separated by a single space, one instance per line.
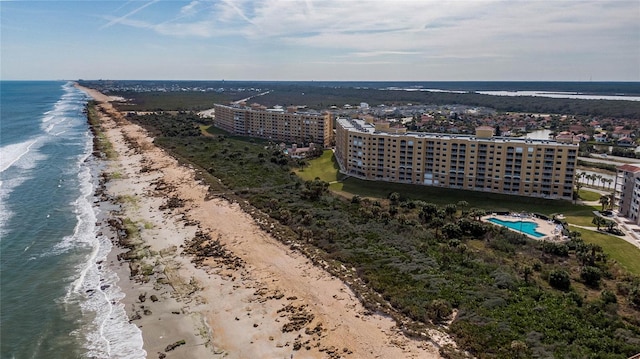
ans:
x=601 y=133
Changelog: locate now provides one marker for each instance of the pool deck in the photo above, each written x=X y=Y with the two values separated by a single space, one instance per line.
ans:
x=548 y=228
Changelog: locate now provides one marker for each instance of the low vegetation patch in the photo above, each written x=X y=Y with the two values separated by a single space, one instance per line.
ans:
x=102 y=147
x=128 y=200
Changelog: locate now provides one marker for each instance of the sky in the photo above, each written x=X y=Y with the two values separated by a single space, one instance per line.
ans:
x=350 y=40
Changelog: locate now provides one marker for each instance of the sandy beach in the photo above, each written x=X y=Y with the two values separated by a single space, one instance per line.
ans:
x=203 y=280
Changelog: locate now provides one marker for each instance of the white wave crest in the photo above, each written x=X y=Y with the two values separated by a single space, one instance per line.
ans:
x=68 y=106
x=14 y=152
x=109 y=334
x=6 y=187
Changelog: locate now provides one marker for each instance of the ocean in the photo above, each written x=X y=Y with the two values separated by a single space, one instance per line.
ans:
x=57 y=300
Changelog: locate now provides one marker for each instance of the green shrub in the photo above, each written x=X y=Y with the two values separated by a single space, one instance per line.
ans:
x=559 y=279
x=439 y=310
x=608 y=296
x=558 y=249
x=591 y=275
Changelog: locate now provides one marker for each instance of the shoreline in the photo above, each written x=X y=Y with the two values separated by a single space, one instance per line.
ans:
x=202 y=271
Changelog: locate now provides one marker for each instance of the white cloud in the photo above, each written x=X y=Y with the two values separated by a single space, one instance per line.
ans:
x=522 y=32
x=190 y=9
x=383 y=53
x=121 y=19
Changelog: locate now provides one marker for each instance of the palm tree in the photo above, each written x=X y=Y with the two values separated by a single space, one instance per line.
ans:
x=437 y=223
x=612 y=200
x=427 y=212
x=604 y=201
x=608 y=182
x=599 y=178
x=599 y=222
x=476 y=213
x=450 y=209
x=394 y=198
x=462 y=205
x=578 y=187
x=587 y=178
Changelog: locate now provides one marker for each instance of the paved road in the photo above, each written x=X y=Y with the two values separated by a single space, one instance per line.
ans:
x=609 y=160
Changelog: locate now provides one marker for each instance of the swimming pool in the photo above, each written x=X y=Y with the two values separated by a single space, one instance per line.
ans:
x=526 y=227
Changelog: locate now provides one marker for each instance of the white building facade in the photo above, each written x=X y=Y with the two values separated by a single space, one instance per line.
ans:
x=628 y=192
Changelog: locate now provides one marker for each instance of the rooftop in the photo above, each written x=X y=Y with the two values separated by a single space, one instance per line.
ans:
x=630 y=167
x=275 y=109
x=362 y=126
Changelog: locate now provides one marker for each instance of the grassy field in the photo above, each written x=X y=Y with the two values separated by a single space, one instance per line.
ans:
x=587 y=195
x=324 y=168
x=623 y=252
x=582 y=219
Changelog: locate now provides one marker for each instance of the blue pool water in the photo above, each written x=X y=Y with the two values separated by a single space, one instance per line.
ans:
x=526 y=227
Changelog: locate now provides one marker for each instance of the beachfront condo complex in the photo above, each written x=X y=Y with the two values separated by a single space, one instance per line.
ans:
x=480 y=162
x=628 y=191
x=288 y=125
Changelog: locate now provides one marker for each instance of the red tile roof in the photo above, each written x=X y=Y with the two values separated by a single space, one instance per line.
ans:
x=630 y=168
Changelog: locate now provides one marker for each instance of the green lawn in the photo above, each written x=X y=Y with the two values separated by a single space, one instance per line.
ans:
x=324 y=167
x=587 y=195
x=582 y=219
x=617 y=248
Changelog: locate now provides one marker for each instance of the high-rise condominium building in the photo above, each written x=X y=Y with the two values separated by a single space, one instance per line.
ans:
x=277 y=124
x=628 y=191
x=519 y=166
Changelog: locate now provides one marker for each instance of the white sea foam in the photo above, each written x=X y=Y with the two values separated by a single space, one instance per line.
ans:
x=85 y=214
x=24 y=156
x=23 y=160
x=6 y=187
x=69 y=106
x=109 y=334
x=14 y=152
